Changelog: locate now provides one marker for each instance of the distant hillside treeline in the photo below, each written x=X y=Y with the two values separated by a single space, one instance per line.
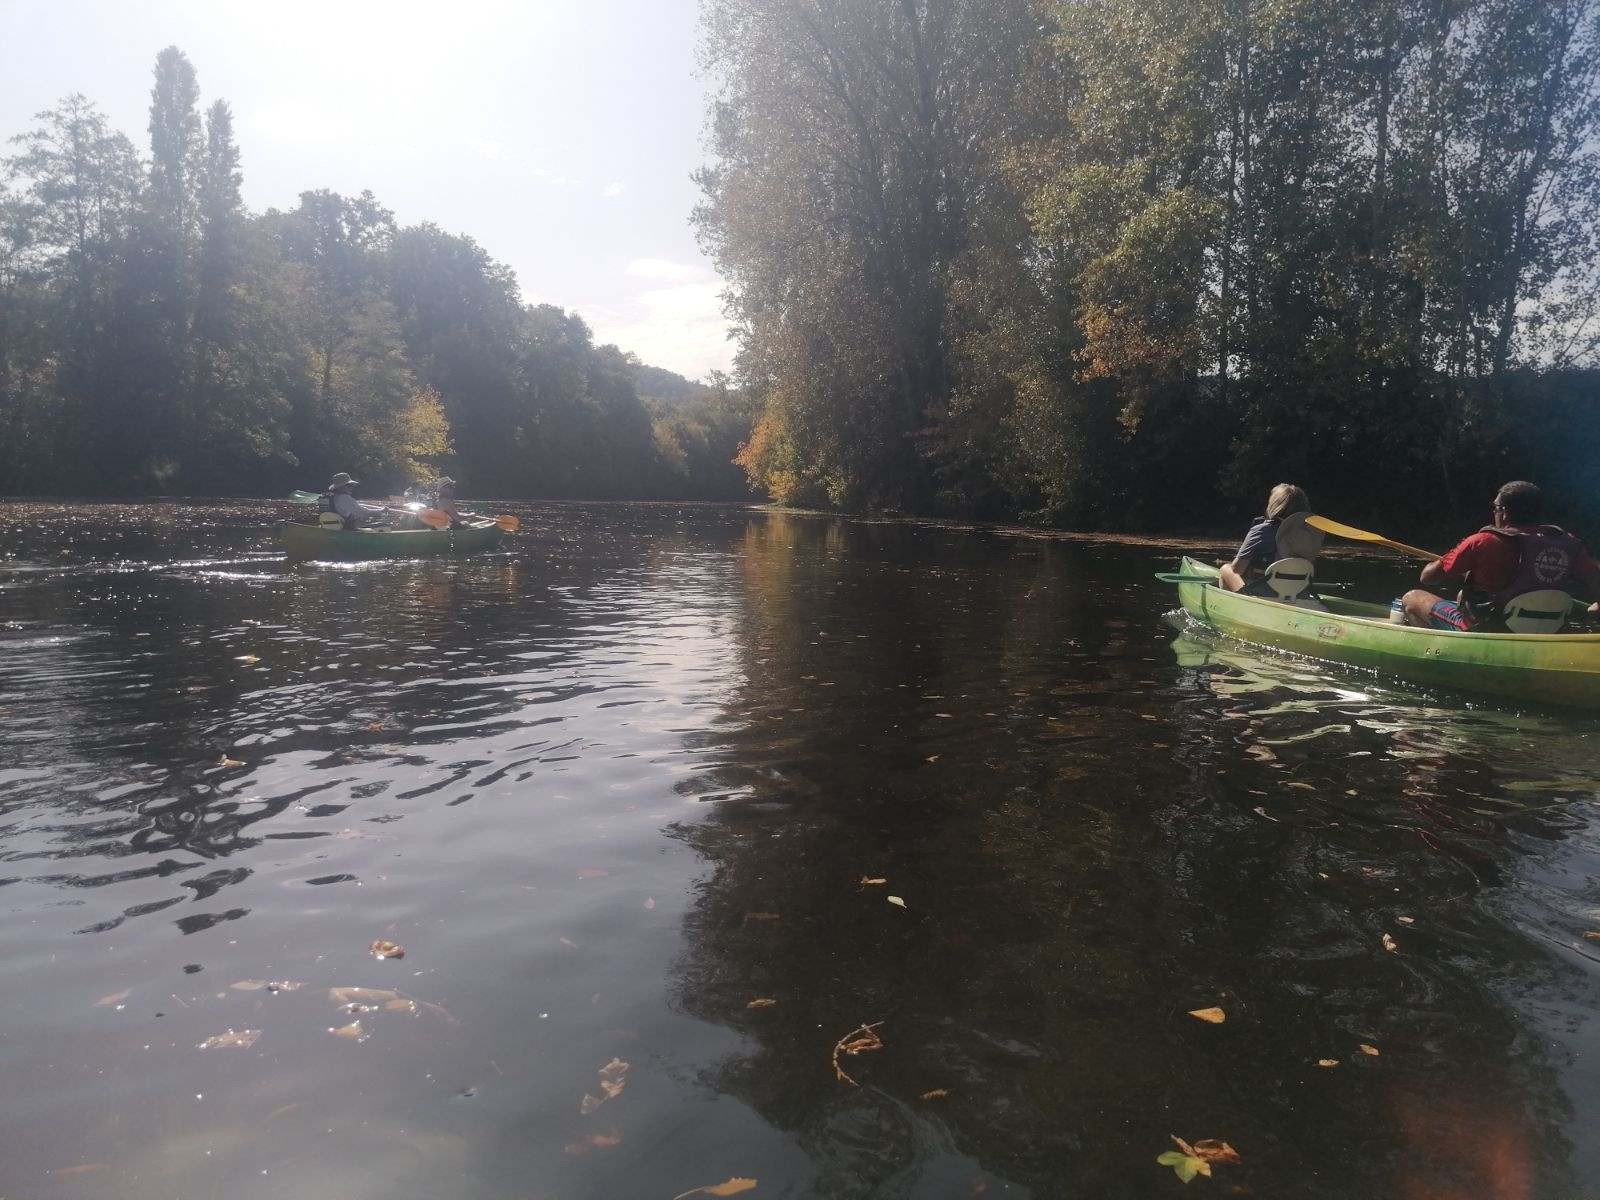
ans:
x=1129 y=262
x=156 y=336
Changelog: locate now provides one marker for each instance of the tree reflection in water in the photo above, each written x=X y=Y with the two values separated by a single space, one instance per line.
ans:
x=1090 y=844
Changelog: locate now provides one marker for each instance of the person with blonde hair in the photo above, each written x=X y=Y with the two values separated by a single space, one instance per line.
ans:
x=1281 y=533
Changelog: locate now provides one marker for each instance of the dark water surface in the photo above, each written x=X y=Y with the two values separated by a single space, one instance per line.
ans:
x=611 y=785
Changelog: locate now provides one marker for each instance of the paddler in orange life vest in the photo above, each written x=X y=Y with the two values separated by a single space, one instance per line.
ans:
x=1514 y=556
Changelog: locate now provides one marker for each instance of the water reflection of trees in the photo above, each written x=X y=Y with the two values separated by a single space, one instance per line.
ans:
x=155 y=642
x=1088 y=849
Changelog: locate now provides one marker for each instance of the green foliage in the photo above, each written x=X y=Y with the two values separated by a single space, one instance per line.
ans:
x=1133 y=261
x=155 y=335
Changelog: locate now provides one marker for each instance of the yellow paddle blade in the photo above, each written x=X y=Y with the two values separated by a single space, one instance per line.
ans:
x=1340 y=529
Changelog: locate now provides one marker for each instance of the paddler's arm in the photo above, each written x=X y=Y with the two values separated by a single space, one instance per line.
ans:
x=1435 y=576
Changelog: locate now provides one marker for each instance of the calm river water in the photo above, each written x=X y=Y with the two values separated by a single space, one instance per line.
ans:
x=663 y=803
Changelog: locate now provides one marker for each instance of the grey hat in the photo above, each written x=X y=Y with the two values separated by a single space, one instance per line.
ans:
x=341 y=480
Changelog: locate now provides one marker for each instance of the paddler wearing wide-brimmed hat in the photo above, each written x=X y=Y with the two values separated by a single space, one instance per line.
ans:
x=339 y=501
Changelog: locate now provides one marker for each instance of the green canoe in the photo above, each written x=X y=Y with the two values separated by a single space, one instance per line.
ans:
x=1562 y=668
x=314 y=541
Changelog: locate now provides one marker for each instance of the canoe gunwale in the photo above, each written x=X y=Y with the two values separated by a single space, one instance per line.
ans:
x=1561 y=669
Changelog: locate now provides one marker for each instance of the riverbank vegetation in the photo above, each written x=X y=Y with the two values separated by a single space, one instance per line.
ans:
x=156 y=336
x=1129 y=262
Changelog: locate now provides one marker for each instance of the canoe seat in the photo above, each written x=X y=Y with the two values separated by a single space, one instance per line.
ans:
x=1290 y=578
x=1538 y=612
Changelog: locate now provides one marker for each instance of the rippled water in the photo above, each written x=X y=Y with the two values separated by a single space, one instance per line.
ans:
x=614 y=783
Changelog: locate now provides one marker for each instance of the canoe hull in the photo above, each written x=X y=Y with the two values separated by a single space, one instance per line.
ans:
x=313 y=541
x=1562 y=669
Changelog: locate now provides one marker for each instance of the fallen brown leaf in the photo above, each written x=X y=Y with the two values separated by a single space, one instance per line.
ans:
x=1214 y=1150
x=730 y=1187
x=241 y=1039
x=874 y=881
x=376 y=727
x=247 y=658
x=114 y=998
x=1593 y=935
x=593 y=1141
x=362 y=995
x=386 y=949
x=936 y=1094
x=896 y=901
x=1212 y=1016
x=225 y=761
x=860 y=1040
x=1327 y=1062
x=352 y=1031
x=1406 y=920
x=1369 y=1050
x=613 y=1078
x=1390 y=944
x=761 y=1002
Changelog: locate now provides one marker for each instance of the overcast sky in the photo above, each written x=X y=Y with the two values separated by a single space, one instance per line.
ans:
x=560 y=134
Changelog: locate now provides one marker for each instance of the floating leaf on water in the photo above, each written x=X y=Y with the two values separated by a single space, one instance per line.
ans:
x=352 y=1031
x=1212 y=1016
x=1390 y=944
x=873 y=881
x=1302 y=784
x=82 y=1169
x=362 y=995
x=896 y=901
x=1592 y=935
x=594 y=1141
x=860 y=1040
x=248 y=985
x=114 y=998
x=225 y=761
x=761 y=1002
x=933 y=758
x=729 y=1187
x=1262 y=812
x=1327 y=1062
x=613 y=1078
x=1366 y=1049
x=386 y=949
x=376 y=727
x=1185 y=1166
x=241 y=1039
x=592 y=873
x=1406 y=920
x=247 y=658
x=1214 y=1150
x=761 y=916
x=936 y=1094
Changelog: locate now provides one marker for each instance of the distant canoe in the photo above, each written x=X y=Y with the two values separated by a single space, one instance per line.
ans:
x=1547 y=668
x=315 y=541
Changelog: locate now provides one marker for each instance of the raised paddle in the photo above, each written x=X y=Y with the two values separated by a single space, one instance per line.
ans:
x=1339 y=529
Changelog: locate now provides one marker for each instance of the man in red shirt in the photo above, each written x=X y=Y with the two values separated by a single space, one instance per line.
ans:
x=1500 y=562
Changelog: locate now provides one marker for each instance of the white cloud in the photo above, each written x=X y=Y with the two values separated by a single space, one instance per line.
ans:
x=613 y=188
x=677 y=323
